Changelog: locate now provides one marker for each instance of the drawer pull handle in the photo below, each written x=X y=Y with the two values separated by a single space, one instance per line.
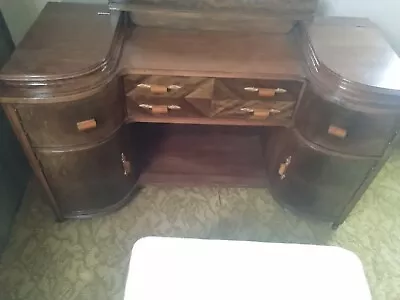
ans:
x=264 y=92
x=284 y=167
x=260 y=113
x=160 y=109
x=86 y=125
x=159 y=89
x=337 y=131
x=126 y=165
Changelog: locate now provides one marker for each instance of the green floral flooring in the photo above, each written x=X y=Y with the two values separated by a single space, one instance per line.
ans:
x=88 y=259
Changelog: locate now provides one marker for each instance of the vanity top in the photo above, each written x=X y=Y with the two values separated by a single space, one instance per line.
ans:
x=356 y=51
x=66 y=39
x=72 y=41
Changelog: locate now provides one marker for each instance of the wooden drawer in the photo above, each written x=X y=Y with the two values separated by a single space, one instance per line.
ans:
x=161 y=95
x=92 y=179
x=244 y=99
x=264 y=89
x=341 y=129
x=74 y=123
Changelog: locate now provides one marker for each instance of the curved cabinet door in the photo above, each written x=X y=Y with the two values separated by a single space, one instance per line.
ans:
x=90 y=180
x=341 y=129
x=307 y=179
x=74 y=123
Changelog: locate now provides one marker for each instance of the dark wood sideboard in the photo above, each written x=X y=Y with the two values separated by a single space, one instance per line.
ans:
x=103 y=101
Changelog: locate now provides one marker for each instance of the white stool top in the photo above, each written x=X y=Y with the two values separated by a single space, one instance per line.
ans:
x=191 y=269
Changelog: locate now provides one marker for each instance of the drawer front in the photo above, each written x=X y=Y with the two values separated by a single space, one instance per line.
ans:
x=264 y=89
x=74 y=123
x=340 y=129
x=160 y=95
x=212 y=97
x=92 y=179
x=311 y=181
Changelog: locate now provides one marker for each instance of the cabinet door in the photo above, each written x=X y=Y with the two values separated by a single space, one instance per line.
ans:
x=90 y=180
x=312 y=181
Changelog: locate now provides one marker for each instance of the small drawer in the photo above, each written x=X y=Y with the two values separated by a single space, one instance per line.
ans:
x=341 y=129
x=229 y=98
x=160 y=95
x=180 y=96
x=258 y=110
x=264 y=89
x=74 y=123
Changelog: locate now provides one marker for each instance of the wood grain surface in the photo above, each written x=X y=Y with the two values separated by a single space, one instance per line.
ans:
x=208 y=53
x=288 y=6
x=92 y=179
x=356 y=50
x=199 y=155
x=66 y=38
x=315 y=182
x=64 y=70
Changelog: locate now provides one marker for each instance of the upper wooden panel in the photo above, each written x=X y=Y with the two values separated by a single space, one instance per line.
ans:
x=355 y=51
x=66 y=38
x=298 y=7
x=210 y=53
x=277 y=16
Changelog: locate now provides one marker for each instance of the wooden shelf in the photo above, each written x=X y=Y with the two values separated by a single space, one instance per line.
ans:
x=197 y=155
x=149 y=118
x=211 y=54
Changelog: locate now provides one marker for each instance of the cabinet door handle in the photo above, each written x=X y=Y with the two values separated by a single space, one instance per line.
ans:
x=86 y=125
x=337 y=131
x=284 y=167
x=126 y=165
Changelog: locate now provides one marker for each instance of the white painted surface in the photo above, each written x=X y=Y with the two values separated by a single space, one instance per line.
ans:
x=182 y=269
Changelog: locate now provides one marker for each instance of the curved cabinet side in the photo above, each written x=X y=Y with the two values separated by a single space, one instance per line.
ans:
x=32 y=159
x=91 y=180
x=312 y=181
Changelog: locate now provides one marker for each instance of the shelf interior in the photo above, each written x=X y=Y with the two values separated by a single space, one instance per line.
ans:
x=197 y=155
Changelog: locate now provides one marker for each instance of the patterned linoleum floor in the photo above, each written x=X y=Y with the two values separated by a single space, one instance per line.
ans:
x=88 y=259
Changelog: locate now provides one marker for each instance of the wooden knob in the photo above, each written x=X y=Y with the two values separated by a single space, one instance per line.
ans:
x=266 y=92
x=158 y=89
x=337 y=131
x=86 y=125
x=159 y=109
x=261 y=113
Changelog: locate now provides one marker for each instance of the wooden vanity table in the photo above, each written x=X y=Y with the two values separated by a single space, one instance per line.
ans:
x=104 y=99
